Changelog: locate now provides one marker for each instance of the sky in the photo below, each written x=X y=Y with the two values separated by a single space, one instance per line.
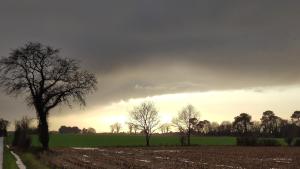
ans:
x=224 y=57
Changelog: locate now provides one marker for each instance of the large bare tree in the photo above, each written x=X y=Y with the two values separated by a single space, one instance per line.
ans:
x=184 y=121
x=145 y=117
x=46 y=79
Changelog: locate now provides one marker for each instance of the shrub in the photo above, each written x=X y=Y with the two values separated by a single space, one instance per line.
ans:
x=3 y=127
x=268 y=142
x=297 y=142
x=69 y=130
x=254 y=141
x=246 y=141
x=22 y=138
x=289 y=140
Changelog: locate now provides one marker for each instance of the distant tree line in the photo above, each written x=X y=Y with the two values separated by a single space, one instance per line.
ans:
x=76 y=130
x=144 y=119
x=269 y=125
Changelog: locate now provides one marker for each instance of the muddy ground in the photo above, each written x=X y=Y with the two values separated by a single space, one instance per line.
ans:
x=175 y=157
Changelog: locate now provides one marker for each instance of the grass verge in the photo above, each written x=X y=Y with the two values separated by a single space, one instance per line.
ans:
x=9 y=161
x=31 y=161
x=29 y=158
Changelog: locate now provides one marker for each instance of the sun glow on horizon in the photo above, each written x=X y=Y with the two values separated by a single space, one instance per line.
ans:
x=215 y=106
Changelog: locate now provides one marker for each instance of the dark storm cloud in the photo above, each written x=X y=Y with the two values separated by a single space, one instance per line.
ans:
x=140 y=48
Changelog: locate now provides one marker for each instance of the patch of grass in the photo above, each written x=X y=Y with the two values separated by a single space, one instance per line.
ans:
x=281 y=141
x=9 y=161
x=8 y=139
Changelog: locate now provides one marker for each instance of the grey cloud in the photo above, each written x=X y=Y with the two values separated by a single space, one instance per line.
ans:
x=140 y=48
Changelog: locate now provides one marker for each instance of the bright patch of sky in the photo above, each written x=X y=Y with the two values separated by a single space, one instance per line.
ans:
x=215 y=106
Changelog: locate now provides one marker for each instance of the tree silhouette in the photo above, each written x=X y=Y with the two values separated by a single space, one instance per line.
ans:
x=145 y=117
x=242 y=123
x=68 y=130
x=165 y=128
x=185 y=119
x=267 y=121
x=225 y=128
x=3 y=127
x=270 y=123
x=204 y=126
x=116 y=127
x=256 y=128
x=214 y=127
x=46 y=79
x=296 y=117
x=112 y=128
x=130 y=127
x=135 y=128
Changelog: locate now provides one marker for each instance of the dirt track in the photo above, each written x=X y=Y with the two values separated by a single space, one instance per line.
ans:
x=176 y=157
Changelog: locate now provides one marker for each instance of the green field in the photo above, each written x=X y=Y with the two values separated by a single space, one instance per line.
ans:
x=98 y=140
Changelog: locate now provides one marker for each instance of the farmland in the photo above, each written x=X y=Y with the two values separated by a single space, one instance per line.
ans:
x=174 y=157
x=109 y=151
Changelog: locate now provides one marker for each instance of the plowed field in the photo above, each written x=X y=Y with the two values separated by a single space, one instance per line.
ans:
x=175 y=157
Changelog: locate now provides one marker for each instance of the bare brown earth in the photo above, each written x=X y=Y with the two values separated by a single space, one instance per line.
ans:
x=175 y=158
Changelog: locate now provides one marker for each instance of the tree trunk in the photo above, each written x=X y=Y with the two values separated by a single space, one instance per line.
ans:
x=43 y=130
x=147 y=140
x=189 y=137
x=5 y=132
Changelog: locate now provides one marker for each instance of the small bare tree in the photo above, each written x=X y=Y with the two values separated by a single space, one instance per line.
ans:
x=165 y=128
x=46 y=79
x=185 y=119
x=116 y=127
x=112 y=128
x=168 y=127
x=145 y=118
x=162 y=128
x=130 y=127
x=135 y=128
